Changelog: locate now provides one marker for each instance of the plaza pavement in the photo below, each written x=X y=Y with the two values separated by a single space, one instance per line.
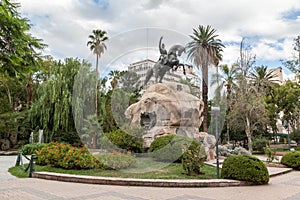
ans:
x=282 y=187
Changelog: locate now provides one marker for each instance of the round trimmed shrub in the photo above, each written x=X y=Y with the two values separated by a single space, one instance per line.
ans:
x=169 y=148
x=291 y=159
x=245 y=168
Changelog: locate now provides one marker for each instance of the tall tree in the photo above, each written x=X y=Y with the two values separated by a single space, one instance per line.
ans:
x=263 y=79
x=248 y=111
x=97 y=46
x=19 y=56
x=287 y=100
x=115 y=75
x=226 y=79
x=129 y=81
x=205 y=50
x=52 y=110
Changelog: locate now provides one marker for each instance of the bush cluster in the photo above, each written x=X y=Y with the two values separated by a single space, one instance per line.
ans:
x=295 y=135
x=193 y=159
x=259 y=143
x=169 y=148
x=224 y=151
x=116 y=160
x=125 y=141
x=270 y=154
x=29 y=149
x=67 y=157
x=291 y=159
x=245 y=168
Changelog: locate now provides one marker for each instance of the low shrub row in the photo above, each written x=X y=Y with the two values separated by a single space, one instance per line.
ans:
x=123 y=140
x=116 y=160
x=176 y=148
x=29 y=149
x=67 y=157
x=170 y=148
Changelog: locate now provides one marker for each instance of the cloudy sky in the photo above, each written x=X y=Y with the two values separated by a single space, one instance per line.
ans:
x=134 y=26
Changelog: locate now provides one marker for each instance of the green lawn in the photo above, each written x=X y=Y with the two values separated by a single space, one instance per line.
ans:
x=146 y=169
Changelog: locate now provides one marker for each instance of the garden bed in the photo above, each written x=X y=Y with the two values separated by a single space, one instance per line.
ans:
x=163 y=171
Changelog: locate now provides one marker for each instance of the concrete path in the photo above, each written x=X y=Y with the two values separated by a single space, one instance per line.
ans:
x=5 y=163
x=283 y=187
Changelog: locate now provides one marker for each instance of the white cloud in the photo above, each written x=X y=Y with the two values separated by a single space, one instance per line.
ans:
x=65 y=25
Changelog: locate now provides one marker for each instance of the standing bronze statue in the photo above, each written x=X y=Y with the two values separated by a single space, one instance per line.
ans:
x=167 y=60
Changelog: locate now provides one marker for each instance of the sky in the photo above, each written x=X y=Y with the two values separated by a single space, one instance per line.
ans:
x=135 y=26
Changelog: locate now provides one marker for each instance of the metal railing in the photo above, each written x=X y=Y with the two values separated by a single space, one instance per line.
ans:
x=31 y=165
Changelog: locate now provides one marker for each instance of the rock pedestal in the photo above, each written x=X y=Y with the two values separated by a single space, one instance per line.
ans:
x=167 y=108
x=170 y=108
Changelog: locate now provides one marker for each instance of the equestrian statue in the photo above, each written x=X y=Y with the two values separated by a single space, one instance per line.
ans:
x=167 y=60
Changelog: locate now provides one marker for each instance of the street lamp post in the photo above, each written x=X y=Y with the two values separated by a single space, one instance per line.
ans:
x=215 y=113
x=286 y=126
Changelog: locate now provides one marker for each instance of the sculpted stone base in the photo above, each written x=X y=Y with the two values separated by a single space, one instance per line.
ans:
x=170 y=108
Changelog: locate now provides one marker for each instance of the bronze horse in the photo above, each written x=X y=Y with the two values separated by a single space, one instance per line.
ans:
x=161 y=67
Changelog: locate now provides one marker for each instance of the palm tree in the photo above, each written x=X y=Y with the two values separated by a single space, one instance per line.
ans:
x=114 y=76
x=205 y=49
x=263 y=79
x=226 y=80
x=97 y=46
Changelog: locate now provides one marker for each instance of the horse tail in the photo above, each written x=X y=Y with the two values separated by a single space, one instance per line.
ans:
x=148 y=76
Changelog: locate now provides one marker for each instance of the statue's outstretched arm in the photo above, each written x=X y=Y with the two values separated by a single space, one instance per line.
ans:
x=160 y=42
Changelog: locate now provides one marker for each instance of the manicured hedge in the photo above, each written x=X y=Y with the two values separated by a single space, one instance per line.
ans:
x=291 y=159
x=245 y=168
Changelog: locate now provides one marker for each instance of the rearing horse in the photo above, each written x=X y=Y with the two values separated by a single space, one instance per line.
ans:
x=160 y=67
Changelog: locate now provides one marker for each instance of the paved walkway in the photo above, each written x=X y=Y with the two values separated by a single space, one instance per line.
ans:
x=283 y=187
x=5 y=163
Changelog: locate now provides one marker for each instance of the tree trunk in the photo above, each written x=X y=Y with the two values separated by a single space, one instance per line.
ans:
x=96 y=86
x=29 y=91
x=227 y=131
x=205 y=97
x=96 y=101
x=5 y=144
x=249 y=135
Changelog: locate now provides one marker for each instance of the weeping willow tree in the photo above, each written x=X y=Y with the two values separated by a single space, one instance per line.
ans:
x=52 y=111
x=86 y=122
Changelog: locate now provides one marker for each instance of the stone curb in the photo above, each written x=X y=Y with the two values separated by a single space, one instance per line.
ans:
x=284 y=171
x=138 y=182
x=8 y=153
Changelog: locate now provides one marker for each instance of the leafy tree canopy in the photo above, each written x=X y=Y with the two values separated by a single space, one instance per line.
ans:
x=18 y=48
